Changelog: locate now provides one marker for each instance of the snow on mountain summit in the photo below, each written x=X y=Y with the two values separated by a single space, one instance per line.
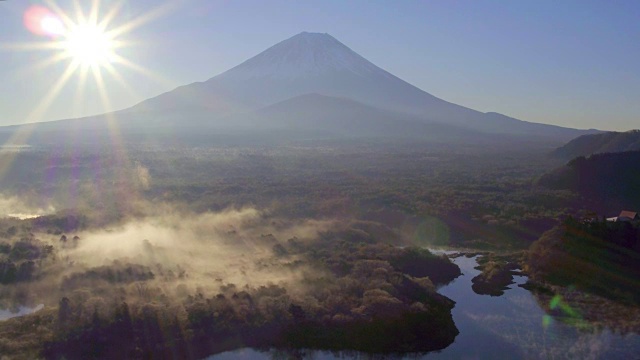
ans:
x=303 y=55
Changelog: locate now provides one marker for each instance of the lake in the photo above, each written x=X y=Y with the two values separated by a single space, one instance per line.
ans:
x=23 y=216
x=23 y=310
x=512 y=326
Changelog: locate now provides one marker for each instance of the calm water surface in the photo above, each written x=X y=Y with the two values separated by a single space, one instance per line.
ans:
x=506 y=327
x=23 y=310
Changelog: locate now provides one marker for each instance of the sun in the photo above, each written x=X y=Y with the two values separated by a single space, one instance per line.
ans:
x=85 y=40
x=92 y=38
x=89 y=45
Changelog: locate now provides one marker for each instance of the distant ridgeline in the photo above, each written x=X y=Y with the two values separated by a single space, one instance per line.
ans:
x=608 y=142
x=609 y=182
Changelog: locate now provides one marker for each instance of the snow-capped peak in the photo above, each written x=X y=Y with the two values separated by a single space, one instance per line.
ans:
x=303 y=55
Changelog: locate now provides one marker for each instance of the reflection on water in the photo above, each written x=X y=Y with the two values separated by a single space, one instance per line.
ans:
x=23 y=310
x=23 y=216
x=14 y=148
x=511 y=326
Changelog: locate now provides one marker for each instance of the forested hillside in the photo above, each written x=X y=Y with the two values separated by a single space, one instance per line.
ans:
x=598 y=257
x=608 y=142
x=608 y=181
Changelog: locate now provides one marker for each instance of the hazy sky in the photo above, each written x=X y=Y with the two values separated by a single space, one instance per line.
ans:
x=571 y=63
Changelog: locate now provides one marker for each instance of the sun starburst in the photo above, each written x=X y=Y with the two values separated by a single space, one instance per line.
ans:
x=90 y=39
x=89 y=45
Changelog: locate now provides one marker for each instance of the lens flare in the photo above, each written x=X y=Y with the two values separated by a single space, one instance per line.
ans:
x=42 y=21
x=52 y=25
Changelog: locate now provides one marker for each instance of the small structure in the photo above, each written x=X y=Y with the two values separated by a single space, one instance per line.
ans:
x=625 y=216
x=628 y=216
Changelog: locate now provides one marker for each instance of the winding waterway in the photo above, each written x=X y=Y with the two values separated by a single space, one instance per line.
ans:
x=512 y=326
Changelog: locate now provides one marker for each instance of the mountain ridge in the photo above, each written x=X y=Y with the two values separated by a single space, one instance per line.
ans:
x=308 y=63
x=608 y=142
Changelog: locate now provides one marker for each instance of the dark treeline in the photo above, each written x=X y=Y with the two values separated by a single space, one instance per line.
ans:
x=621 y=233
x=21 y=261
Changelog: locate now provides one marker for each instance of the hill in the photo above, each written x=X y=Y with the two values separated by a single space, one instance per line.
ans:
x=588 y=257
x=608 y=181
x=599 y=143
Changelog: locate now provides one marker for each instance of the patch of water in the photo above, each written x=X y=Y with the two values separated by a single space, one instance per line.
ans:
x=511 y=326
x=24 y=216
x=23 y=310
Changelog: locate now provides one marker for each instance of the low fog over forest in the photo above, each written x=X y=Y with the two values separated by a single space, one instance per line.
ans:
x=242 y=275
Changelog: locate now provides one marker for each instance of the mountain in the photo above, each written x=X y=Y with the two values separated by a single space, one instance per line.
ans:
x=608 y=142
x=310 y=82
x=305 y=63
x=340 y=116
x=318 y=63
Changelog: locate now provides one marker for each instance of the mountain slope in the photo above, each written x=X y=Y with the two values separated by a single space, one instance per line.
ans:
x=599 y=143
x=318 y=63
x=345 y=117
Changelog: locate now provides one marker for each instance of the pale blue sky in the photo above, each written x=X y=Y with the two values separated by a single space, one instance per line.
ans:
x=570 y=63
